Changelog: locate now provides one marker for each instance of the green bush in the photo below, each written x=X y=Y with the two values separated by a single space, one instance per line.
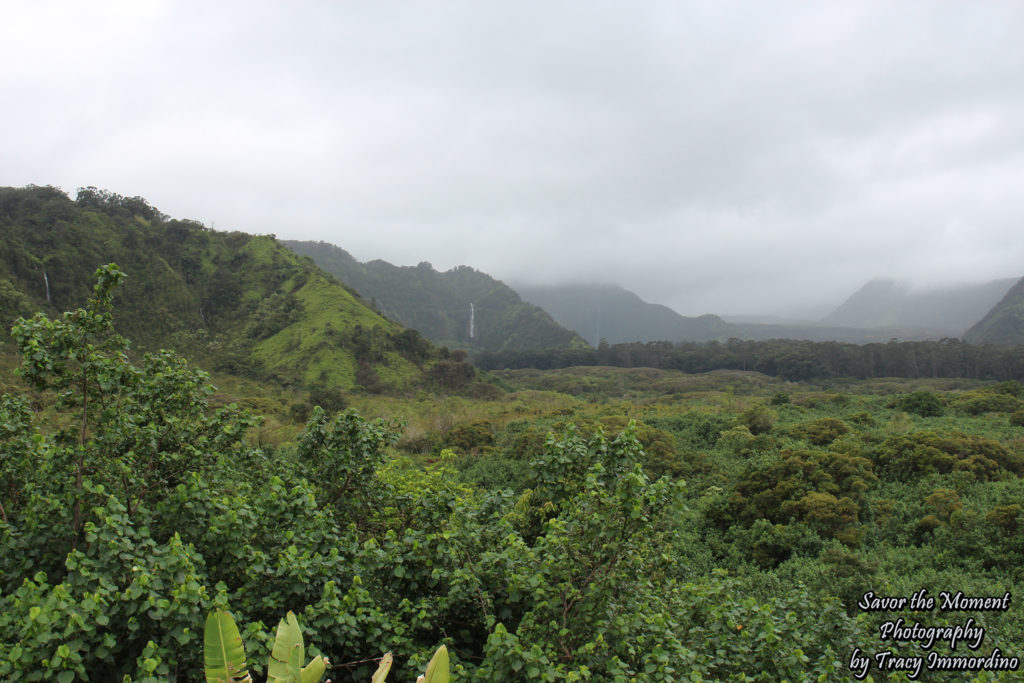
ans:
x=820 y=432
x=981 y=401
x=331 y=399
x=468 y=438
x=759 y=419
x=909 y=456
x=923 y=403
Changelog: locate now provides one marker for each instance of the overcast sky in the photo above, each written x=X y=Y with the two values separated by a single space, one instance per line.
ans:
x=726 y=157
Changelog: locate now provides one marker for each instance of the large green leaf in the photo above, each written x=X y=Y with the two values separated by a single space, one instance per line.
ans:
x=285 y=665
x=383 y=669
x=314 y=671
x=223 y=651
x=437 y=670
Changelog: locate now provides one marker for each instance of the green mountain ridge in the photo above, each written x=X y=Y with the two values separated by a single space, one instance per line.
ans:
x=1003 y=325
x=440 y=305
x=235 y=302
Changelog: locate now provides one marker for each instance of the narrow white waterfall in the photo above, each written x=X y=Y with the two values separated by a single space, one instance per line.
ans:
x=472 y=321
x=47 y=281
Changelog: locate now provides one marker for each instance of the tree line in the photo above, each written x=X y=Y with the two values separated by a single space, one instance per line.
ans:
x=794 y=360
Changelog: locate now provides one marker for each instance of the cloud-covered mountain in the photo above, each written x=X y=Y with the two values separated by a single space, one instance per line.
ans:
x=609 y=312
x=889 y=303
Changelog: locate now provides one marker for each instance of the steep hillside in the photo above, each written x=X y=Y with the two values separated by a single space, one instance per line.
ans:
x=609 y=312
x=233 y=301
x=887 y=303
x=441 y=305
x=1004 y=324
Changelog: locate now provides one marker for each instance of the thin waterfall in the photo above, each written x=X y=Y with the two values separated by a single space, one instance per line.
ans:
x=472 y=321
x=47 y=281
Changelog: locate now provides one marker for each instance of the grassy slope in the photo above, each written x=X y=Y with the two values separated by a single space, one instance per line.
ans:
x=314 y=346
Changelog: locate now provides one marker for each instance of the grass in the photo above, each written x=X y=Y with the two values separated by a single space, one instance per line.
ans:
x=315 y=347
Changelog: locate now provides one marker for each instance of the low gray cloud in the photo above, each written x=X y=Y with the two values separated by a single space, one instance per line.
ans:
x=716 y=157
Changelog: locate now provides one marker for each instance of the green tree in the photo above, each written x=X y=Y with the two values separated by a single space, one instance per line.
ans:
x=136 y=430
x=759 y=418
x=87 y=568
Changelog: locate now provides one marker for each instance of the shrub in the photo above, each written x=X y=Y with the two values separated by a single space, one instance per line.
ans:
x=820 y=432
x=923 y=403
x=909 y=456
x=469 y=438
x=331 y=399
x=979 y=402
x=759 y=419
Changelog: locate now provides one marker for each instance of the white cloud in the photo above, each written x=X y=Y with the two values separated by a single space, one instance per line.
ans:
x=726 y=157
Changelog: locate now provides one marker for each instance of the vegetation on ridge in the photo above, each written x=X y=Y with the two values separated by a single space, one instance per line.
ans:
x=438 y=304
x=236 y=302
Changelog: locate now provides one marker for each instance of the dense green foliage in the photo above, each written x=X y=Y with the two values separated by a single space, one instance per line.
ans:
x=438 y=304
x=142 y=509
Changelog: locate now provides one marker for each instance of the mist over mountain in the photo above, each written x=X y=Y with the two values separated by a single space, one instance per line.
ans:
x=948 y=310
x=612 y=313
x=617 y=315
